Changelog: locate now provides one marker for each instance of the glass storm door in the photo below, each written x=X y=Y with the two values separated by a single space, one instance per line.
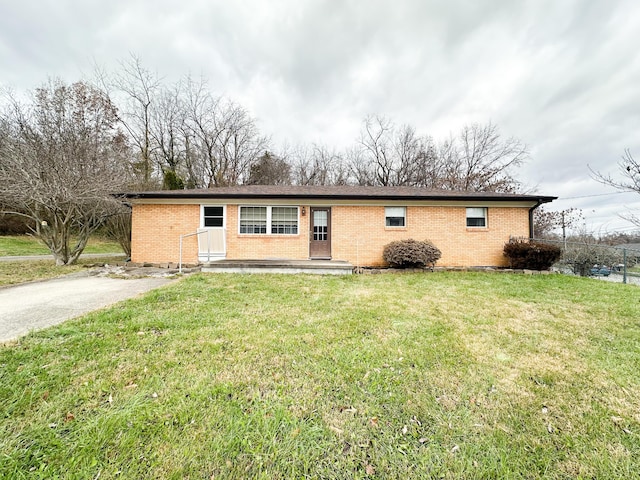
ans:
x=320 y=233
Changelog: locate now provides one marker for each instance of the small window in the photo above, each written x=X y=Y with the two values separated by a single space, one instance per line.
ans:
x=213 y=217
x=395 y=216
x=253 y=219
x=476 y=217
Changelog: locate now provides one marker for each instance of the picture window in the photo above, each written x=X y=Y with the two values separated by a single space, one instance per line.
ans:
x=269 y=220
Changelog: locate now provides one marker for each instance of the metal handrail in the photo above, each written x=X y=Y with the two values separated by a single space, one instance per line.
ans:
x=180 y=260
x=224 y=245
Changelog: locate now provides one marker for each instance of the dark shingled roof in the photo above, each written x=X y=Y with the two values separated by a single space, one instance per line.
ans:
x=343 y=192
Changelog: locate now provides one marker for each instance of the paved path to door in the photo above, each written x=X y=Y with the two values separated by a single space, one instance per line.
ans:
x=38 y=305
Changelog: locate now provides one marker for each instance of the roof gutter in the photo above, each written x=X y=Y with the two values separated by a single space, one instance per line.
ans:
x=300 y=196
x=532 y=209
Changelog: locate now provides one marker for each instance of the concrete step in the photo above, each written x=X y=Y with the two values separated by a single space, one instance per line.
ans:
x=318 y=267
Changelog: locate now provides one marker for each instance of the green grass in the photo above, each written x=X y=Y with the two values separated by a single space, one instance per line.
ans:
x=12 y=273
x=28 y=245
x=444 y=375
x=15 y=272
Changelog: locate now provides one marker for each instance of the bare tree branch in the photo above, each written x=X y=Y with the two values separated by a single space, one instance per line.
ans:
x=140 y=88
x=224 y=137
x=629 y=174
x=479 y=160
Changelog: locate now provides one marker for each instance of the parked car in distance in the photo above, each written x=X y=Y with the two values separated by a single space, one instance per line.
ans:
x=600 y=271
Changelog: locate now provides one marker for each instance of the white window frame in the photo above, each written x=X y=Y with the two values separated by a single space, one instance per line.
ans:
x=270 y=219
x=224 y=215
x=266 y=226
x=388 y=213
x=472 y=212
x=269 y=216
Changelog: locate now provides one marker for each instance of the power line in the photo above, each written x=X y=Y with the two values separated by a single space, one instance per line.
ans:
x=596 y=195
x=622 y=229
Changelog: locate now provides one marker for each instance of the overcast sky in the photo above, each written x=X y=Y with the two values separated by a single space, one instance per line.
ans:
x=563 y=76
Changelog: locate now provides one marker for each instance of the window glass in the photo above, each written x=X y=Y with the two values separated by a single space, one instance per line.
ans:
x=320 y=226
x=213 y=216
x=476 y=217
x=284 y=220
x=395 y=216
x=253 y=219
x=269 y=220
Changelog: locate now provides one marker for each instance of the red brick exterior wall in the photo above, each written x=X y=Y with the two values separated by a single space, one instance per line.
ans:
x=358 y=234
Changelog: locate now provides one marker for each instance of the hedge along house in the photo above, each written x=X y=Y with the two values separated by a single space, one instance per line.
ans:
x=312 y=222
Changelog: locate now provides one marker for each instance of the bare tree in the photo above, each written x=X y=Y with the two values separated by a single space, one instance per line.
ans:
x=391 y=156
x=629 y=169
x=61 y=158
x=223 y=140
x=375 y=140
x=480 y=160
x=203 y=127
x=318 y=165
x=546 y=222
x=302 y=168
x=582 y=252
x=270 y=170
x=620 y=238
x=139 y=88
x=118 y=227
x=628 y=181
x=361 y=169
x=240 y=145
x=418 y=163
x=167 y=132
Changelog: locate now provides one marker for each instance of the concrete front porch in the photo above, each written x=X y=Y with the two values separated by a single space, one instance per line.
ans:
x=318 y=267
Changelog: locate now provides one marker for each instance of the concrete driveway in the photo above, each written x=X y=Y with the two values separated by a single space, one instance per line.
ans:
x=38 y=305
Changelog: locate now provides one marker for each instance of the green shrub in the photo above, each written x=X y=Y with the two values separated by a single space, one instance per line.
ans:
x=411 y=253
x=531 y=255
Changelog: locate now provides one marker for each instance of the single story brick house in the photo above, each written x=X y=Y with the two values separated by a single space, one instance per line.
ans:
x=321 y=222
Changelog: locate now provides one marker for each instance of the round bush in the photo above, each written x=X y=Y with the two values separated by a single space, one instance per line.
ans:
x=531 y=255
x=411 y=253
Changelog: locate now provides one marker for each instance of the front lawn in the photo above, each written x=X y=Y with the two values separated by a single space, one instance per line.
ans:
x=443 y=375
x=14 y=272
x=12 y=245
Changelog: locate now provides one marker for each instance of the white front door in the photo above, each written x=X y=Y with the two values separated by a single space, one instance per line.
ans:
x=212 y=243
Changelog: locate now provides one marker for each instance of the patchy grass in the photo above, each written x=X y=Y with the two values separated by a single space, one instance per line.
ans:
x=28 y=245
x=15 y=272
x=12 y=273
x=444 y=375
